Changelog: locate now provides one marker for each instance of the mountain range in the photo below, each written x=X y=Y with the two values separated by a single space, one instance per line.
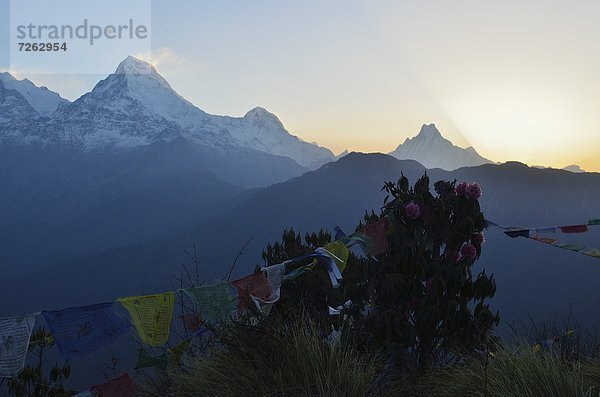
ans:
x=116 y=183
x=134 y=107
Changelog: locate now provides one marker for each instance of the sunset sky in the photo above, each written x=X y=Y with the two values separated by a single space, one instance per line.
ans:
x=516 y=80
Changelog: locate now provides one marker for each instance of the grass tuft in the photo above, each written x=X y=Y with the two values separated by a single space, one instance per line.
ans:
x=293 y=361
x=515 y=372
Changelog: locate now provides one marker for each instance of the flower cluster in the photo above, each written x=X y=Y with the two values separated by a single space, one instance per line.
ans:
x=470 y=190
x=468 y=250
x=412 y=211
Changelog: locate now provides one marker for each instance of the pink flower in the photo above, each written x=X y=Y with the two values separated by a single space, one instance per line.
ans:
x=468 y=250
x=478 y=238
x=461 y=189
x=412 y=211
x=473 y=190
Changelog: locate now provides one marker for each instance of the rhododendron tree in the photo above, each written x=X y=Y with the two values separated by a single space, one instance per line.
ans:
x=422 y=295
x=414 y=293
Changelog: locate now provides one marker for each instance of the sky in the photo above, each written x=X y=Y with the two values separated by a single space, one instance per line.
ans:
x=516 y=80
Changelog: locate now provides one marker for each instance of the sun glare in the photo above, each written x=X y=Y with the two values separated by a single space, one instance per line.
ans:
x=517 y=125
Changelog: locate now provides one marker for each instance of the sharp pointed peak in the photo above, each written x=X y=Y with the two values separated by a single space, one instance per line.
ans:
x=133 y=65
x=429 y=130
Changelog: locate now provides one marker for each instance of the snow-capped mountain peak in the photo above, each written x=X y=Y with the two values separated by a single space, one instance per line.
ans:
x=136 y=106
x=261 y=116
x=262 y=130
x=133 y=65
x=139 y=81
x=432 y=150
x=137 y=70
x=44 y=101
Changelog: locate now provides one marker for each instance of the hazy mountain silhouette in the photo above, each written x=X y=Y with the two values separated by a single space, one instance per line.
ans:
x=533 y=278
x=129 y=162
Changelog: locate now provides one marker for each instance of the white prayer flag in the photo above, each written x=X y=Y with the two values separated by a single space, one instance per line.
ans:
x=274 y=276
x=14 y=343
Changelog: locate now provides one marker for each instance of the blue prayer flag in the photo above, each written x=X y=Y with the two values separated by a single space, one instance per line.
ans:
x=81 y=330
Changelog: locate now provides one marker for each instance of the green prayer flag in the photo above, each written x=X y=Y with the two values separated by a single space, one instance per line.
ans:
x=146 y=360
x=366 y=243
x=176 y=352
x=294 y=274
x=571 y=246
x=594 y=222
x=212 y=302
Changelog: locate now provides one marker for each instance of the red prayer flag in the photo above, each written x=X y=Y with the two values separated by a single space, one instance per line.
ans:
x=122 y=386
x=574 y=229
x=377 y=233
x=255 y=284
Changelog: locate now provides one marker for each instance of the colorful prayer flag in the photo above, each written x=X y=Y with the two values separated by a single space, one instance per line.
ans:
x=212 y=302
x=146 y=360
x=325 y=257
x=546 y=240
x=377 y=232
x=574 y=229
x=176 y=352
x=122 y=386
x=191 y=322
x=366 y=243
x=339 y=253
x=594 y=252
x=80 y=330
x=517 y=233
x=253 y=285
x=551 y=229
x=274 y=275
x=571 y=246
x=15 y=333
x=151 y=316
x=295 y=273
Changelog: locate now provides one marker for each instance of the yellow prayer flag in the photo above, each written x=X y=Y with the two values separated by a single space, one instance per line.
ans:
x=340 y=252
x=151 y=316
x=594 y=252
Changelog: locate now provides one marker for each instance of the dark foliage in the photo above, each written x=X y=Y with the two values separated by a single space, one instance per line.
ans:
x=420 y=299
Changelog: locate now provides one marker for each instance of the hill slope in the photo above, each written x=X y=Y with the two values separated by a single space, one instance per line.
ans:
x=338 y=194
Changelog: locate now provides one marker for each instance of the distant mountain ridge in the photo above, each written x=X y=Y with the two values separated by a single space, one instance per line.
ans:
x=129 y=162
x=136 y=106
x=574 y=168
x=44 y=101
x=432 y=150
x=337 y=194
